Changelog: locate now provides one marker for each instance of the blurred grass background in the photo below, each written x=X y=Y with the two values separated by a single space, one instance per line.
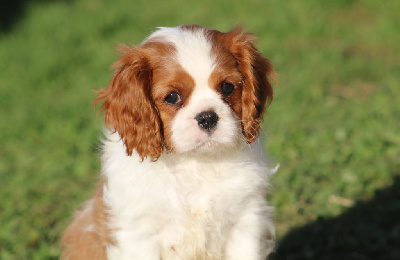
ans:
x=333 y=125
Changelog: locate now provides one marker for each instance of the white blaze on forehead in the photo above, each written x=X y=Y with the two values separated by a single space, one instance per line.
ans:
x=193 y=51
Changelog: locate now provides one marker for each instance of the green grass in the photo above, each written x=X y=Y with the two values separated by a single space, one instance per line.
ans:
x=334 y=123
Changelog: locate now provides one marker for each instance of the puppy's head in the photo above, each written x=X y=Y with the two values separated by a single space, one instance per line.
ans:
x=188 y=89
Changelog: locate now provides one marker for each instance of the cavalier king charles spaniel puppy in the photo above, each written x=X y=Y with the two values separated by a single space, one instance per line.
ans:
x=183 y=174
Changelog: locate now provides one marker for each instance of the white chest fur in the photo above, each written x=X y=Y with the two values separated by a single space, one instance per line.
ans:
x=187 y=207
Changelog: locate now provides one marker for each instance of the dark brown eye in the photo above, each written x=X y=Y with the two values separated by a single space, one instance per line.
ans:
x=227 y=89
x=172 y=98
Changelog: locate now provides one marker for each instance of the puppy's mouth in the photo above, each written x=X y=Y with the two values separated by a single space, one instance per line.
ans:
x=208 y=142
x=208 y=131
x=212 y=141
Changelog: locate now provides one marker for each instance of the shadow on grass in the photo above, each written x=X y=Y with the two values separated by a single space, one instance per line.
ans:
x=12 y=11
x=369 y=230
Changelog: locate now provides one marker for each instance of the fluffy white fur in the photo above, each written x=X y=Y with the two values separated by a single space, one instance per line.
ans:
x=188 y=207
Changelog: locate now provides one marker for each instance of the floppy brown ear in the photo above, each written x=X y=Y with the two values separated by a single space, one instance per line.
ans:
x=128 y=106
x=257 y=90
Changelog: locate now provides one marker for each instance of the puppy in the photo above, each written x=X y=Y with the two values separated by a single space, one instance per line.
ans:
x=183 y=176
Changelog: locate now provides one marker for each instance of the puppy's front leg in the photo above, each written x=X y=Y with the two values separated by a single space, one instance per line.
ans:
x=136 y=250
x=252 y=237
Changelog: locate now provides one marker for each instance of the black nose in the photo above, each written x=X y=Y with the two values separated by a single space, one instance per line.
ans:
x=207 y=120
